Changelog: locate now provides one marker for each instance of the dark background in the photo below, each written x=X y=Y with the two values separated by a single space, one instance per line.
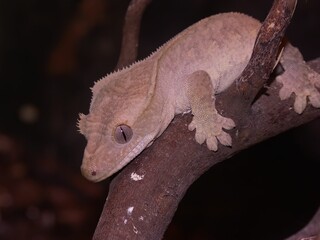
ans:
x=51 y=52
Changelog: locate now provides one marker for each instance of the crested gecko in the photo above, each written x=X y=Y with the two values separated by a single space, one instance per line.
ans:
x=130 y=108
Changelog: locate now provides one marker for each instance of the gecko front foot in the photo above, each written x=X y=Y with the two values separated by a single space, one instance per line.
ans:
x=206 y=120
x=210 y=127
x=300 y=79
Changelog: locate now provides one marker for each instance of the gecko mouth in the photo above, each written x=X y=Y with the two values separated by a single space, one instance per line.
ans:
x=94 y=175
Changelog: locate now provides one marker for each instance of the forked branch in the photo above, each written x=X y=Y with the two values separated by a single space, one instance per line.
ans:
x=142 y=209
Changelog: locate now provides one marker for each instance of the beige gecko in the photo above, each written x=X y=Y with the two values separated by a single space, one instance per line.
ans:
x=130 y=108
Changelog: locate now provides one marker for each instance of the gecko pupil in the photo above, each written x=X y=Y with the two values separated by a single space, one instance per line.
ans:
x=123 y=134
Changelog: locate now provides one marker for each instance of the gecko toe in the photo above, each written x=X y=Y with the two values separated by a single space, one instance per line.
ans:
x=300 y=104
x=228 y=124
x=212 y=144
x=315 y=100
x=225 y=139
x=200 y=137
x=192 y=126
x=284 y=93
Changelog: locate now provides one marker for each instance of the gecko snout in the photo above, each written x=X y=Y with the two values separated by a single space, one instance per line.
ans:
x=88 y=170
x=89 y=173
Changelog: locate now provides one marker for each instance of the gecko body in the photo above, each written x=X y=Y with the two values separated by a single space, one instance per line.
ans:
x=130 y=108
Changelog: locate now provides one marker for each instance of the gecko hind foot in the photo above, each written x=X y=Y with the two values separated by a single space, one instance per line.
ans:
x=304 y=82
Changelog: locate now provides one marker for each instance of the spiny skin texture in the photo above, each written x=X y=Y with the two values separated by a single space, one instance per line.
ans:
x=132 y=107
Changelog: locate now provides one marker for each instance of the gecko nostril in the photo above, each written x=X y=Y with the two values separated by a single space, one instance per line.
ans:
x=93 y=173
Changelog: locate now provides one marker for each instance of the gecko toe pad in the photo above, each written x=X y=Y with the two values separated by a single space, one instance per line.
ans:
x=304 y=83
x=209 y=129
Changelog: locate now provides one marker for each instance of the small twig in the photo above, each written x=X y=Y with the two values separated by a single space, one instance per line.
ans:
x=131 y=31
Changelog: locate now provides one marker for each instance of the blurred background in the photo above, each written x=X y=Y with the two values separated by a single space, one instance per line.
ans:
x=51 y=52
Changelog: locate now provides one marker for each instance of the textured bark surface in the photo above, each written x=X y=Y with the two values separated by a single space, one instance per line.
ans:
x=143 y=208
x=131 y=30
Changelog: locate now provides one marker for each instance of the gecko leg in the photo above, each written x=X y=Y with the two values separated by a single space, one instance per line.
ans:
x=298 y=78
x=209 y=124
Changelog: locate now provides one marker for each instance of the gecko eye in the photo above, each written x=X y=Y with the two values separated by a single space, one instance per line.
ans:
x=123 y=134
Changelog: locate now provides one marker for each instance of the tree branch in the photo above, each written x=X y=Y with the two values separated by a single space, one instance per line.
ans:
x=312 y=230
x=142 y=208
x=131 y=30
x=240 y=96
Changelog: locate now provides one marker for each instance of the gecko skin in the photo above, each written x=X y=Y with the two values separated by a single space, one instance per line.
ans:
x=130 y=108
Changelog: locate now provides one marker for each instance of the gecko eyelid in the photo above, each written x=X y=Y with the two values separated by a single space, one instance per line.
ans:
x=123 y=134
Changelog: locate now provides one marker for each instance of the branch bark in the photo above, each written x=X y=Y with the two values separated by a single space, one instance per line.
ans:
x=131 y=30
x=143 y=208
x=312 y=230
x=240 y=96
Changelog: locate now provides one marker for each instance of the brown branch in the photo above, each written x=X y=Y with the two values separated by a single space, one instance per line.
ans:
x=143 y=208
x=131 y=30
x=265 y=52
x=254 y=76
x=312 y=229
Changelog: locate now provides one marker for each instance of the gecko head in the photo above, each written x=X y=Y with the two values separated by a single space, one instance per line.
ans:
x=116 y=128
x=110 y=147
